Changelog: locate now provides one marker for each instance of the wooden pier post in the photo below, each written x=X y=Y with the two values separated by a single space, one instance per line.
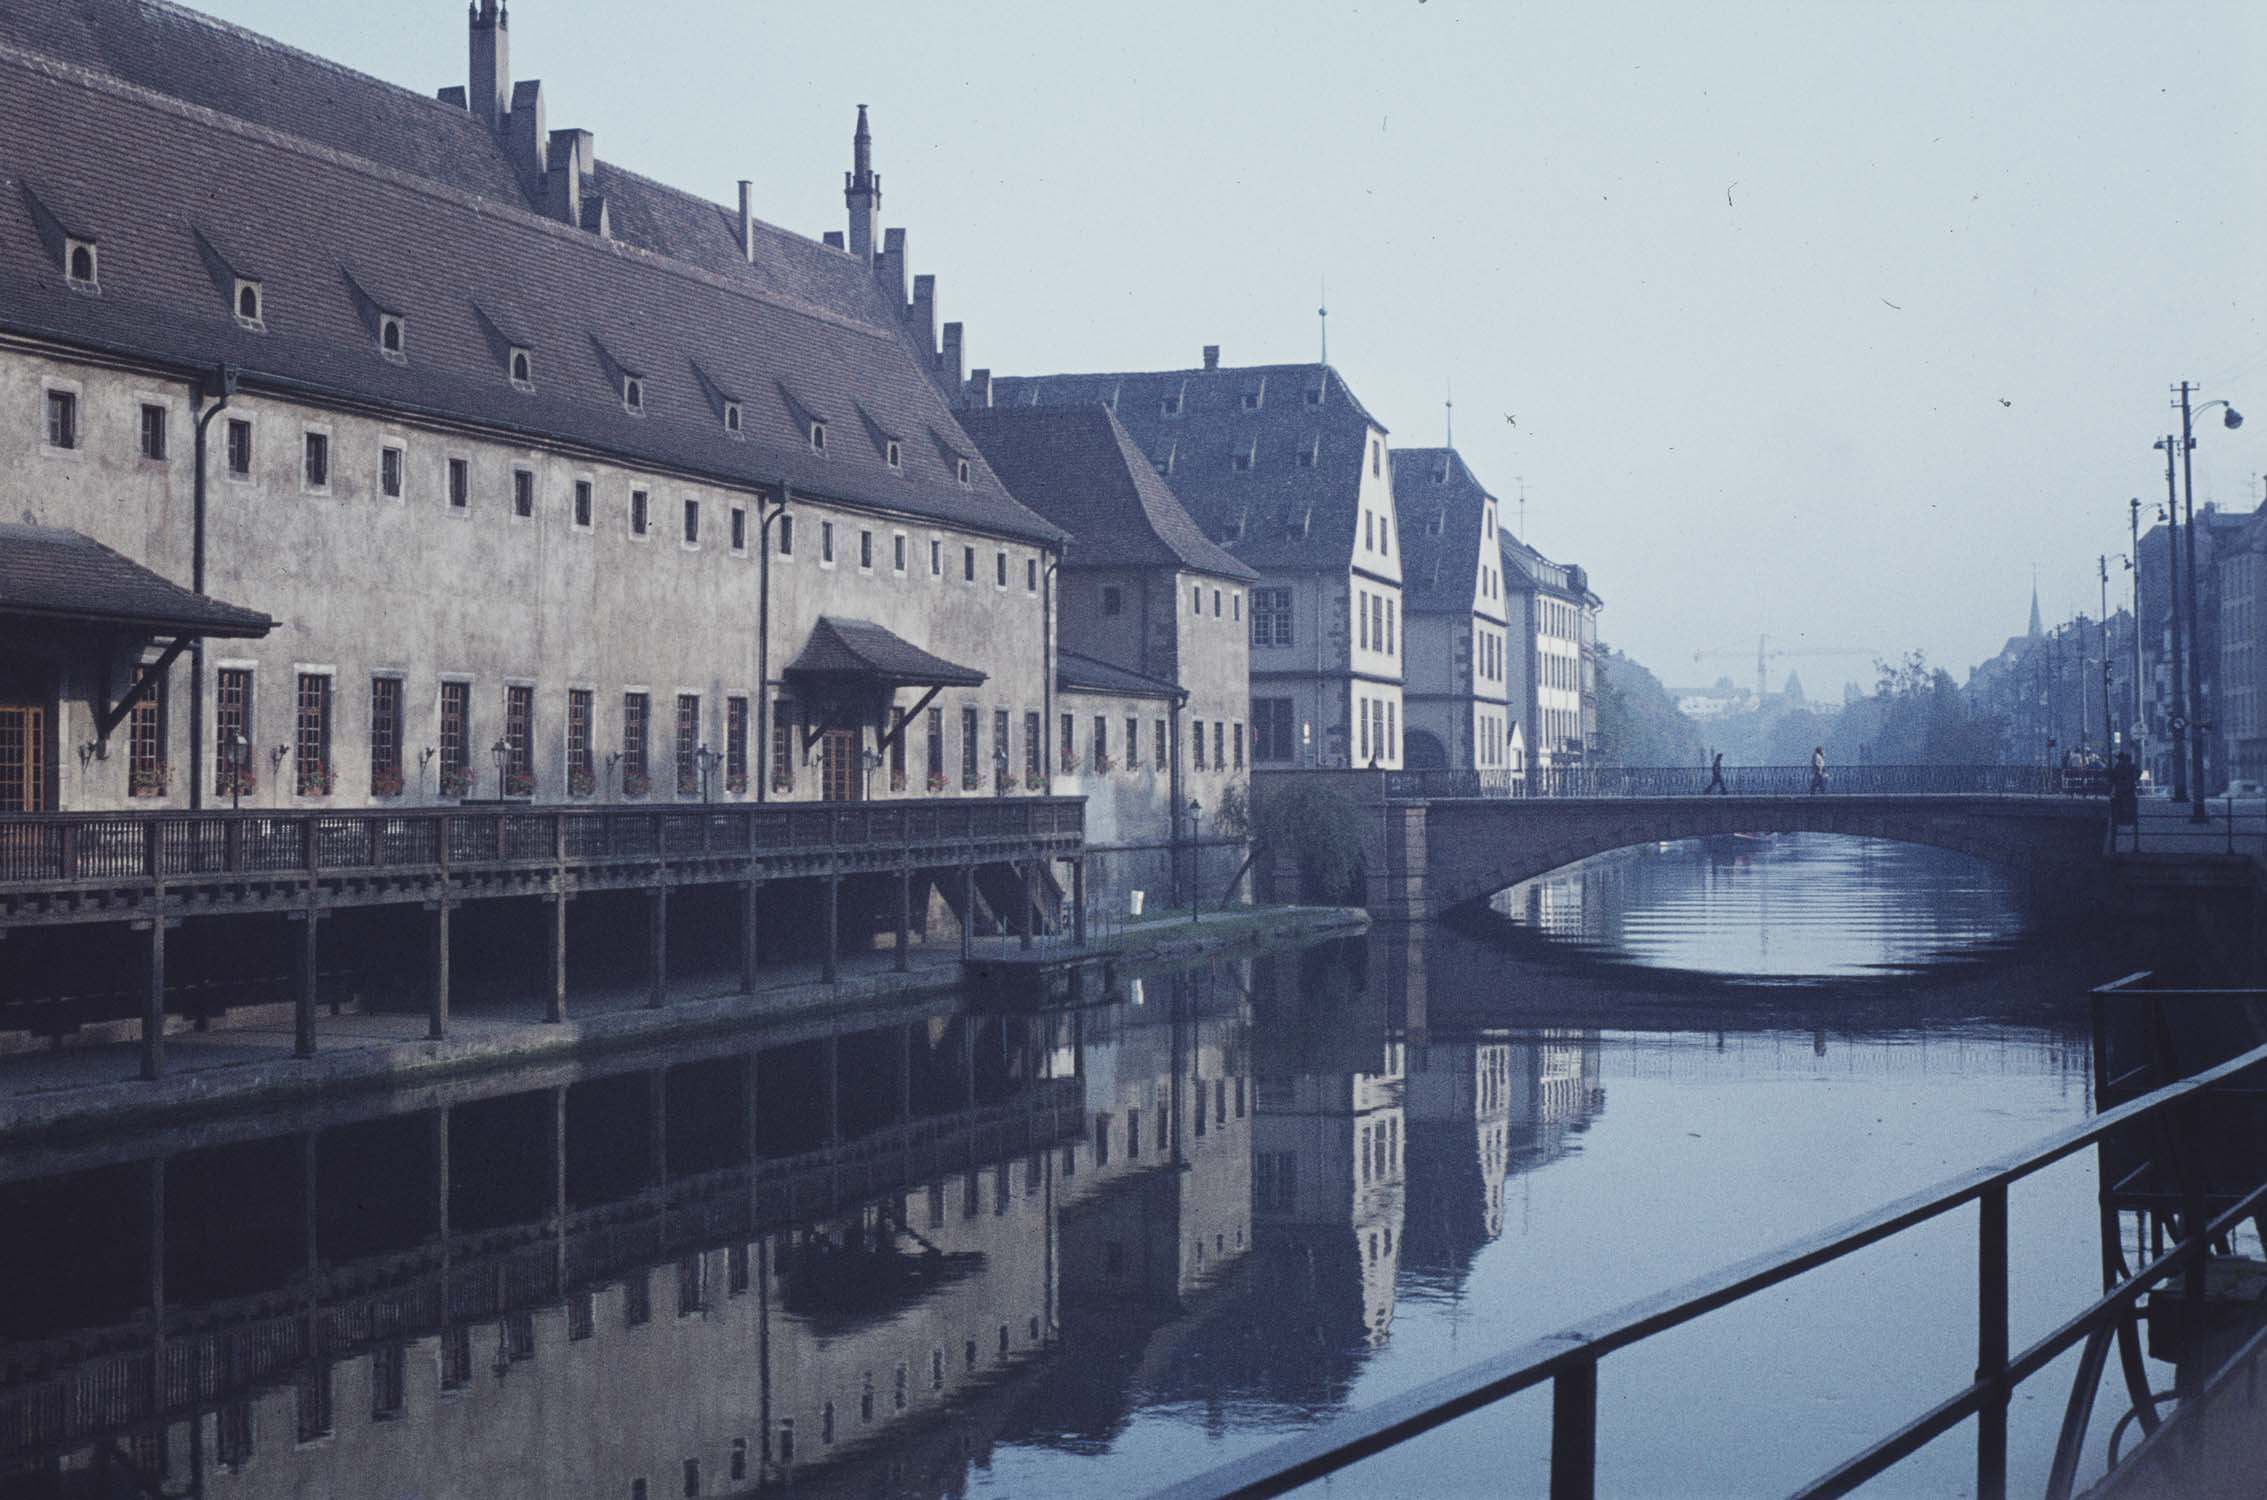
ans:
x=153 y=1003
x=555 y=967
x=303 y=996
x=657 y=945
x=830 y=966
x=904 y=917
x=437 y=998
x=749 y=890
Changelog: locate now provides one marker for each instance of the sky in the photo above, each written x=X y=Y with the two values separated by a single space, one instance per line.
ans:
x=1830 y=323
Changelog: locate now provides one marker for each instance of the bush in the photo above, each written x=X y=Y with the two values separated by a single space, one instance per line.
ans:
x=1319 y=830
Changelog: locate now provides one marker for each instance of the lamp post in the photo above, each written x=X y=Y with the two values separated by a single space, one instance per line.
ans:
x=707 y=760
x=1196 y=859
x=239 y=756
x=2231 y=419
x=2133 y=565
x=501 y=753
x=2178 y=720
x=2109 y=720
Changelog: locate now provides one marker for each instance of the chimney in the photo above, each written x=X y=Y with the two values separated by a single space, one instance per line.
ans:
x=891 y=266
x=925 y=314
x=524 y=136
x=491 y=90
x=949 y=365
x=747 y=220
x=833 y=239
x=980 y=389
x=453 y=95
x=1212 y=356
x=562 y=184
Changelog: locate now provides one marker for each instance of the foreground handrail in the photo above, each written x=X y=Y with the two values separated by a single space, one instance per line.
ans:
x=1570 y=1357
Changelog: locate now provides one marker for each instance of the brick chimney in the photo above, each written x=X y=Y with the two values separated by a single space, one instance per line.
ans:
x=1212 y=356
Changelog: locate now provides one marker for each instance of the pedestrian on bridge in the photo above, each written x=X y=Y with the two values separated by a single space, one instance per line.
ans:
x=1818 y=769
x=1716 y=777
x=2125 y=791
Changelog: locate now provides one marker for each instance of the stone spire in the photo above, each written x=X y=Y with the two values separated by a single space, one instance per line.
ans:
x=862 y=191
x=490 y=92
x=2036 y=629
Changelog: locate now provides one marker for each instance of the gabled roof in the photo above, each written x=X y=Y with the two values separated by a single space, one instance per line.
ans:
x=49 y=573
x=843 y=649
x=1075 y=673
x=1529 y=571
x=1300 y=434
x=340 y=187
x=1441 y=508
x=1078 y=467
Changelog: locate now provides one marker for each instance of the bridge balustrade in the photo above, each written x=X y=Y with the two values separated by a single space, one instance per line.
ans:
x=1742 y=781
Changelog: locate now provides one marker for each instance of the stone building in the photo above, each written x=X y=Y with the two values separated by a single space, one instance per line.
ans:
x=1284 y=467
x=1457 y=692
x=1155 y=668
x=1553 y=682
x=2218 y=534
x=550 y=476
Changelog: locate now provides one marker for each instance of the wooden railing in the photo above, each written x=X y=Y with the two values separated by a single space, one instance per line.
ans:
x=68 y=848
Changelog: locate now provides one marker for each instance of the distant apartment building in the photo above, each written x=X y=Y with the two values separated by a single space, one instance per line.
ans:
x=2218 y=534
x=1553 y=681
x=1283 y=467
x=1457 y=687
x=2242 y=709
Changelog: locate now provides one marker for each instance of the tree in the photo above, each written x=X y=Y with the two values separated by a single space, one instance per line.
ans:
x=1639 y=724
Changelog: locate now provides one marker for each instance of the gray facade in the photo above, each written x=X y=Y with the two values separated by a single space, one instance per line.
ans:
x=1459 y=655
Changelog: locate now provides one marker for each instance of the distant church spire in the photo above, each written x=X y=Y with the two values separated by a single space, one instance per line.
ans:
x=862 y=190
x=2036 y=629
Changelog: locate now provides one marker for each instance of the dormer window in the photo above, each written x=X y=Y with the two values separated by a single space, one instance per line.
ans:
x=818 y=437
x=1244 y=461
x=1172 y=405
x=392 y=342
x=1314 y=395
x=1251 y=400
x=249 y=309
x=732 y=417
x=961 y=473
x=633 y=395
x=892 y=456
x=523 y=369
x=81 y=266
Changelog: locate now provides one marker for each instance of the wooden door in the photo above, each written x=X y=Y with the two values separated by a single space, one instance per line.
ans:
x=23 y=757
x=838 y=765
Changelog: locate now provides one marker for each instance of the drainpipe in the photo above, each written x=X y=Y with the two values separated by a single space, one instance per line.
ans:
x=1173 y=780
x=763 y=645
x=225 y=379
x=1047 y=681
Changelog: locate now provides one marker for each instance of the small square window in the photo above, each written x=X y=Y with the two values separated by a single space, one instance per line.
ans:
x=523 y=493
x=692 y=523
x=523 y=369
x=891 y=455
x=1244 y=461
x=633 y=395
x=732 y=417
x=318 y=467
x=62 y=419
x=582 y=503
x=460 y=483
x=639 y=519
x=739 y=528
x=239 y=447
x=1314 y=395
x=818 y=437
x=250 y=310
x=962 y=472
x=393 y=343
x=153 y=432
x=82 y=266
x=389 y=472
x=1251 y=401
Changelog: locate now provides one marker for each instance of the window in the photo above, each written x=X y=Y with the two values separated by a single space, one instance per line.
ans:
x=865 y=550
x=999 y=570
x=1237 y=739
x=786 y=535
x=1271 y=617
x=1171 y=406
x=640 y=518
x=732 y=417
x=1376 y=450
x=692 y=1477
x=633 y=395
x=583 y=503
x=523 y=369
x=385 y=737
x=1235 y=606
x=897 y=552
x=239 y=447
x=456 y=1358
x=739 y=528
x=1196 y=600
x=248 y=311
x=936 y=750
x=315 y=1419
x=1133 y=742
x=1101 y=743
x=1369 y=532
x=1033 y=774
x=897 y=728
x=387 y=1369
x=1362 y=616
x=233 y=768
x=968 y=565
x=1000 y=761
x=1274 y=736
x=311 y=736
x=692 y=523
x=80 y=267
x=1219 y=763
x=818 y=437
x=783 y=744
x=389 y=472
x=1196 y=742
x=1392 y=608
x=1113 y=600
x=1162 y=747
x=153 y=432
x=968 y=750
x=145 y=743
x=1067 y=757
x=637 y=1299
x=637 y=711
x=62 y=419
x=1362 y=712
x=317 y=469
x=740 y=1450
x=519 y=740
x=1216 y=604
x=456 y=738
x=961 y=472
x=1251 y=401
x=688 y=744
x=826 y=543
x=891 y=456
x=460 y=483
x=936 y=558
x=582 y=775
x=1031 y=575
x=390 y=340
x=692 y=1288
x=523 y=493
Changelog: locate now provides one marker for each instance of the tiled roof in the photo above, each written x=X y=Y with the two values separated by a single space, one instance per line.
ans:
x=859 y=648
x=49 y=573
x=1440 y=506
x=1078 y=467
x=1076 y=673
x=1527 y=570
x=1268 y=458
x=343 y=195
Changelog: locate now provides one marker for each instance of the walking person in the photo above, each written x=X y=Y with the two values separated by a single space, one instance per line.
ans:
x=2125 y=793
x=1818 y=770
x=1716 y=777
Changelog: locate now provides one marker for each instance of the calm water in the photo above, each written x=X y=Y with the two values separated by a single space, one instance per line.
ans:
x=1090 y=1252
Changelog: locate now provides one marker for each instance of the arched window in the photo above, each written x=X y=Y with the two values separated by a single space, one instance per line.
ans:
x=248 y=302
x=523 y=369
x=389 y=336
x=633 y=393
x=81 y=267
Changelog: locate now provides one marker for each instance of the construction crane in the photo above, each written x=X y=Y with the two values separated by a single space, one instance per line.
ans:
x=1765 y=655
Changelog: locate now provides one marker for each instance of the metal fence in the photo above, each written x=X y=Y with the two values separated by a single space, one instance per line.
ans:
x=1744 y=781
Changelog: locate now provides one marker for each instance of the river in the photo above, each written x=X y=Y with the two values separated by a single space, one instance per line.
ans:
x=1089 y=1252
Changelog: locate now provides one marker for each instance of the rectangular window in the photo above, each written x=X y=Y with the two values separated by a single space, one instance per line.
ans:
x=311 y=736
x=739 y=528
x=688 y=744
x=936 y=749
x=389 y=472
x=145 y=743
x=897 y=728
x=387 y=1381
x=1101 y=743
x=640 y=512
x=936 y=558
x=786 y=535
x=1001 y=747
x=1274 y=735
x=637 y=712
x=1000 y=569
x=1133 y=742
x=897 y=552
x=736 y=743
x=582 y=503
x=460 y=483
x=1362 y=616
x=692 y=523
x=968 y=750
x=1133 y=1133
x=385 y=737
x=582 y=772
x=62 y=419
x=232 y=731
x=1163 y=763
x=318 y=465
x=1031 y=575
x=239 y=447
x=153 y=431
x=1392 y=607
x=865 y=548
x=519 y=740
x=826 y=541
x=1237 y=740
x=968 y=565
x=783 y=744
x=1196 y=742
x=456 y=738
x=1362 y=713
x=1271 y=617
x=315 y=1419
x=1033 y=775
x=1113 y=600
x=523 y=493
x=1067 y=756
x=1219 y=728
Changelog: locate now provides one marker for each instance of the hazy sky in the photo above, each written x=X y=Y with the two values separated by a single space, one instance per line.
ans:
x=1826 y=321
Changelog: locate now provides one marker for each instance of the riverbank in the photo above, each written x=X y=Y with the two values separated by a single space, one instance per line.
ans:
x=68 y=1093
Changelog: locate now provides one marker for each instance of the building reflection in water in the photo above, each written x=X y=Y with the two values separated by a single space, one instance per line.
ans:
x=856 y=1261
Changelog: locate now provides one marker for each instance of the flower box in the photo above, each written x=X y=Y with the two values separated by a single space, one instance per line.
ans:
x=386 y=783
x=937 y=782
x=781 y=782
x=519 y=783
x=688 y=783
x=736 y=783
x=314 y=779
x=581 y=783
x=150 y=782
x=241 y=783
x=459 y=782
x=636 y=783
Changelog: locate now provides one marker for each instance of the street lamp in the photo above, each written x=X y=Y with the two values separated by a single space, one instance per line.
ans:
x=239 y=756
x=1196 y=859
x=707 y=759
x=2231 y=419
x=501 y=753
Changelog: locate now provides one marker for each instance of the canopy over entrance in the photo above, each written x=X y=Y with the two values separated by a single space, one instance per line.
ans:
x=849 y=669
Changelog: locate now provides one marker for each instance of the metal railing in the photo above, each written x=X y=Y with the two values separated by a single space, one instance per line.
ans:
x=64 y=848
x=2236 y=826
x=1798 y=781
x=1569 y=1360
